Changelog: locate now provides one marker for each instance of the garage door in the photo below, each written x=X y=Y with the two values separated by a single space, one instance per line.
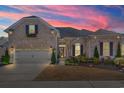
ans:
x=32 y=56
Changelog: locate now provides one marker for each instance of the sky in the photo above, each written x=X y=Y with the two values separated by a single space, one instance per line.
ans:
x=88 y=17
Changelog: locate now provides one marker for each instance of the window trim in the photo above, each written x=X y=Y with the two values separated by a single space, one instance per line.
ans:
x=27 y=30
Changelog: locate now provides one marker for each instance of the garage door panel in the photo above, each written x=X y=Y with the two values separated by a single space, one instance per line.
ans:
x=32 y=56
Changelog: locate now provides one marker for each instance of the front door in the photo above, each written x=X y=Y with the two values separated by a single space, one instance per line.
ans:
x=61 y=52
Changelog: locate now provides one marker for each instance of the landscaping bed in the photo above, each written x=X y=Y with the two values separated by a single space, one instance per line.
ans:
x=76 y=73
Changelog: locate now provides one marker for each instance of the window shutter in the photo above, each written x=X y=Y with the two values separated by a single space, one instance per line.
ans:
x=73 y=50
x=101 y=48
x=111 y=48
x=81 y=50
x=27 y=29
x=36 y=29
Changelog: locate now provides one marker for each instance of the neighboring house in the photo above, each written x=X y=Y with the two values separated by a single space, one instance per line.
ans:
x=3 y=46
x=32 y=38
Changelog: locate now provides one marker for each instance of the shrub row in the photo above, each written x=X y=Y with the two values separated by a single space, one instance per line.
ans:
x=81 y=60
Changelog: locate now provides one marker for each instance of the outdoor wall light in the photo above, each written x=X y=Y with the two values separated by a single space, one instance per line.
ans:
x=52 y=32
x=10 y=33
x=94 y=37
x=118 y=37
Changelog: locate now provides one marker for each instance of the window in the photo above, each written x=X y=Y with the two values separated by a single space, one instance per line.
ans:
x=122 y=49
x=31 y=30
x=106 y=49
x=77 y=49
x=101 y=48
x=111 y=48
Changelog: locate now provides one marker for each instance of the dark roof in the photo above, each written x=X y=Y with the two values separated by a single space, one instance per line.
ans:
x=104 y=32
x=72 y=32
x=3 y=41
x=86 y=32
x=31 y=17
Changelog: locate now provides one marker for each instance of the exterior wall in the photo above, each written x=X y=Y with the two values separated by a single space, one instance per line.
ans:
x=32 y=49
x=44 y=40
x=94 y=41
x=69 y=42
x=89 y=43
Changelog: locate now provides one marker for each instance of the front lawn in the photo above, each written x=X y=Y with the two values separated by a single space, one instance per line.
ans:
x=70 y=73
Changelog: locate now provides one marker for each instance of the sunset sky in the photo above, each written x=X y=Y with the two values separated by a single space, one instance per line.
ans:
x=81 y=17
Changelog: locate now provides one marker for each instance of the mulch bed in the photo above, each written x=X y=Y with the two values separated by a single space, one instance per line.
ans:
x=76 y=73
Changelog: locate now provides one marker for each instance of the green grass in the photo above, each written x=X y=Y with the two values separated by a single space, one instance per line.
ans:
x=75 y=73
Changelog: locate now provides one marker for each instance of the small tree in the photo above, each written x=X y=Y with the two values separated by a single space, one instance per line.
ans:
x=96 y=54
x=118 y=51
x=6 y=57
x=53 y=57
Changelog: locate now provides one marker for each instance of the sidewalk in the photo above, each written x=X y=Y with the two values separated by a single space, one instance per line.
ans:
x=63 y=84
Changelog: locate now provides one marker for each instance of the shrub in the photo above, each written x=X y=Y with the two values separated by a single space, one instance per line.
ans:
x=6 y=58
x=96 y=61
x=90 y=60
x=118 y=51
x=72 y=61
x=108 y=61
x=68 y=62
x=119 y=61
x=96 y=53
x=82 y=59
x=53 y=57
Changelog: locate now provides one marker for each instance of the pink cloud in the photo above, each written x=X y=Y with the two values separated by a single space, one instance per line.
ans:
x=88 y=18
x=57 y=23
x=13 y=16
x=92 y=17
x=2 y=27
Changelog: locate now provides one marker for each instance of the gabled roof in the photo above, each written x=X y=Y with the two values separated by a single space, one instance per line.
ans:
x=19 y=22
x=72 y=32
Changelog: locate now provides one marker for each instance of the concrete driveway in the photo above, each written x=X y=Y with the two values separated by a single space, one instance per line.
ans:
x=22 y=75
x=22 y=71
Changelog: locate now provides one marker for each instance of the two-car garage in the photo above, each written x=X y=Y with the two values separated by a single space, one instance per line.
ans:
x=32 y=56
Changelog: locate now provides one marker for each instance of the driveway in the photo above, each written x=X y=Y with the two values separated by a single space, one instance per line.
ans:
x=21 y=76
x=21 y=71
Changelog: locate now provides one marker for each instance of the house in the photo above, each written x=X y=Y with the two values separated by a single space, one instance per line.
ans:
x=31 y=40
